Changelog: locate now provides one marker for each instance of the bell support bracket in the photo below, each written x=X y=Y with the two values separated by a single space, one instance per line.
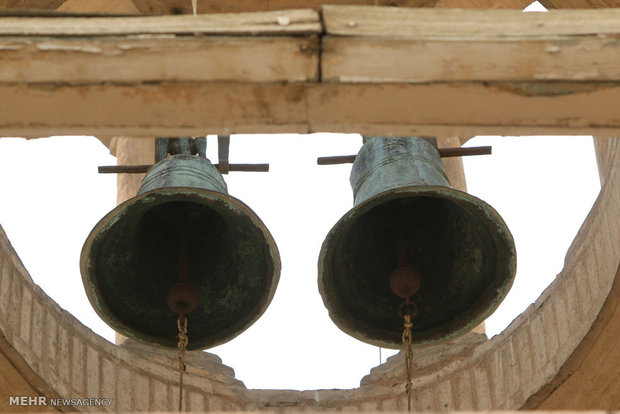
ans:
x=443 y=152
x=187 y=146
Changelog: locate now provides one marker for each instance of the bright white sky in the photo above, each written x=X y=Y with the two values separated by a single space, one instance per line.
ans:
x=52 y=196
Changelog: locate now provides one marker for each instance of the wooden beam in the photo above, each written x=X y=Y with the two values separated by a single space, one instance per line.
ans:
x=465 y=45
x=154 y=58
x=483 y=4
x=195 y=108
x=31 y=4
x=406 y=45
x=272 y=23
x=153 y=109
x=175 y=7
x=167 y=85
x=451 y=24
x=171 y=7
x=473 y=108
x=580 y=4
x=248 y=47
x=99 y=6
x=236 y=6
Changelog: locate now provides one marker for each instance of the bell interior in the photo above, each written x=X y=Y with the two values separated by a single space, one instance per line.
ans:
x=462 y=257
x=137 y=259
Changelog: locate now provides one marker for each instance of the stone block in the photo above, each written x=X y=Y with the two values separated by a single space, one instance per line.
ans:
x=509 y=375
x=196 y=402
x=539 y=342
x=214 y=403
x=465 y=392
x=38 y=327
x=123 y=390
x=482 y=386
x=581 y=298
x=63 y=366
x=560 y=306
x=444 y=400
x=605 y=264
x=160 y=396
x=93 y=373
x=26 y=310
x=574 y=308
x=496 y=366
x=390 y=404
x=51 y=342
x=175 y=398
x=590 y=279
x=231 y=406
x=549 y=327
x=108 y=381
x=517 y=399
x=5 y=287
x=425 y=400
x=613 y=218
x=369 y=406
x=13 y=310
x=140 y=392
x=77 y=366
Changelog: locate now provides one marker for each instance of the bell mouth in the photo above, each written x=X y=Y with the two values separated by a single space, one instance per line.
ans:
x=130 y=260
x=458 y=244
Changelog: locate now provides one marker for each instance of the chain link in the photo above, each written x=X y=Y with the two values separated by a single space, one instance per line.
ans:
x=408 y=341
x=183 y=340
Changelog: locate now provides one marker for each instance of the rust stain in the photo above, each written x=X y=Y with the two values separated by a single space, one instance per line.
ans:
x=539 y=89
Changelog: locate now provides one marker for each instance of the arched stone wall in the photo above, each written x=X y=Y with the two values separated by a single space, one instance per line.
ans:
x=59 y=355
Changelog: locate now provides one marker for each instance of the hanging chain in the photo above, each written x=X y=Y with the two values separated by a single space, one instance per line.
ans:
x=407 y=311
x=407 y=338
x=183 y=339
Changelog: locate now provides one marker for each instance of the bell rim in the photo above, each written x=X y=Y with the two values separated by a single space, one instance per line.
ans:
x=358 y=210
x=105 y=223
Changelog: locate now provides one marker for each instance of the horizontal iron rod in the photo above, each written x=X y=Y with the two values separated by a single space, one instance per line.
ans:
x=123 y=169
x=140 y=169
x=443 y=152
x=464 y=151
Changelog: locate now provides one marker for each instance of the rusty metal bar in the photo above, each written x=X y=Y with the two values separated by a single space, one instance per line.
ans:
x=141 y=169
x=443 y=152
x=249 y=167
x=464 y=151
x=123 y=169
x=337 y=159
x=223 y=149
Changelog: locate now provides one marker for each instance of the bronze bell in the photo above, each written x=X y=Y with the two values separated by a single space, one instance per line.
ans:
x=181 y=229
x=407 y=220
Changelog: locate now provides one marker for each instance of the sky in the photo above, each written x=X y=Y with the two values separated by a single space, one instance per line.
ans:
x=52 y=196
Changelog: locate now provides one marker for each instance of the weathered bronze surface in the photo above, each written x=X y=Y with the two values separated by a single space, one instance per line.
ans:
x=459 y=246
x=130 y=260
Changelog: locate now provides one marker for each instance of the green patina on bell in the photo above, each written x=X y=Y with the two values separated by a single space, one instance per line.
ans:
x=458 y=244
x=131 y=258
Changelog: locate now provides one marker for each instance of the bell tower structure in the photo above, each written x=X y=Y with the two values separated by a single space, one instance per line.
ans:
x=282 y=69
